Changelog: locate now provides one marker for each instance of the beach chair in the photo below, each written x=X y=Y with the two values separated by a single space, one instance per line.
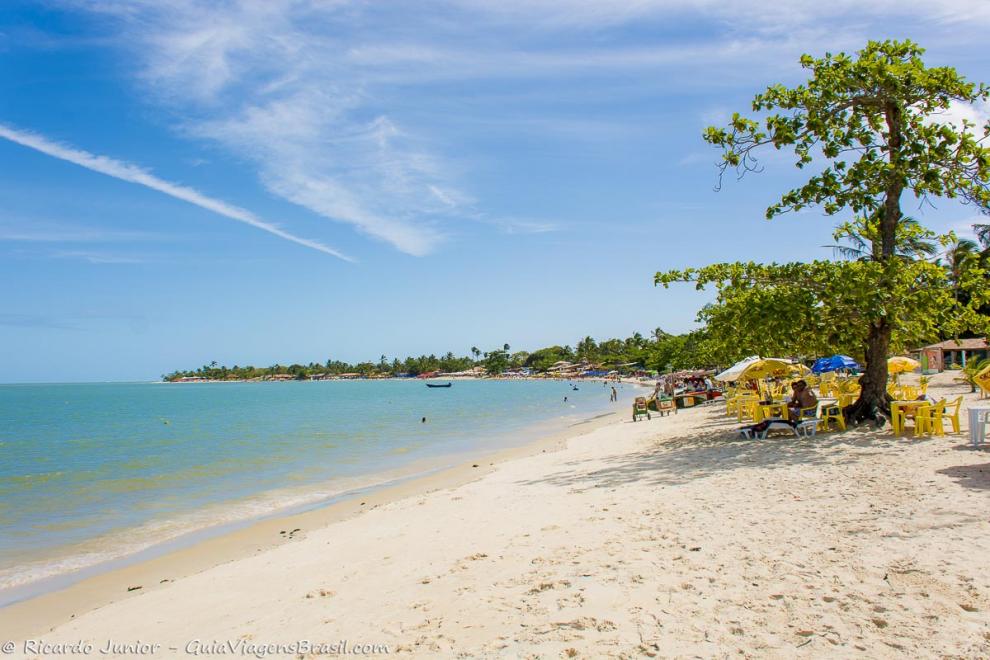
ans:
x=805 y=426
x=748 y=407
x=928 y=419
x=953 y=416
x=803 y=429
x=730 y=405
x=829 y=411
x=640 y=409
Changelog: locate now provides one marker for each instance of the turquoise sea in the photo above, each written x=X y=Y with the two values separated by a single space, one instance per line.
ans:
x=91 y=473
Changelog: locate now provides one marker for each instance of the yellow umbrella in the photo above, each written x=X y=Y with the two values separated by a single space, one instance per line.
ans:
x=901 y=365
x=769 y=368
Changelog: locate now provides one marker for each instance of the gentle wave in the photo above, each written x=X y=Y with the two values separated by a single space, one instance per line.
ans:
x=93 y=473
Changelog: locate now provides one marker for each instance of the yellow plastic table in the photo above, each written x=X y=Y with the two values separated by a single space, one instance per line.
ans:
x=767 y=410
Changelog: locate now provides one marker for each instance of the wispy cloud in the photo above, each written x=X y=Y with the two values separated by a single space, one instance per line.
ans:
x=98 y=257
x=311 y=151
x=525 y=226
x=134 y=174
x=35 y=321
x=17 y=230
x=345 y=108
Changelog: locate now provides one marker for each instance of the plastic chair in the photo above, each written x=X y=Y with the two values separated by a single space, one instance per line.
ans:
x=953 y=416
x=922 y=419
x=749 y=407
x=928 y=419
x=832 y=412
x=731 y=404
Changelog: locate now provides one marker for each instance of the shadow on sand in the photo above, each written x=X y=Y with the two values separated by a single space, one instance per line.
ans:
x=715 y=448
x=969 y=476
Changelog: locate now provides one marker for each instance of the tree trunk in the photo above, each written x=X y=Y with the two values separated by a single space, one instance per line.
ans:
x=873 y=398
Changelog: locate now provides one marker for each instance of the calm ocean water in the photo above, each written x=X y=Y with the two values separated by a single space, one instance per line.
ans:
x=93 y=472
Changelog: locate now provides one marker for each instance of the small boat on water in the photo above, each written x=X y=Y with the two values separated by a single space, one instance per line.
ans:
x=439 y=385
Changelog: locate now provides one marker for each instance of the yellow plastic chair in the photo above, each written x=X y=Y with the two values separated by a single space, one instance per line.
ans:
x=922 y=418
x=951 y=412
x=832 y=412
x=928 y=419
x=847 y=398
x=897 y=419
x=731 y=404
x=749 y=408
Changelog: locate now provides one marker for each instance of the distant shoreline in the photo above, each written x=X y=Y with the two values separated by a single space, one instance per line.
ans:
x=583 y=379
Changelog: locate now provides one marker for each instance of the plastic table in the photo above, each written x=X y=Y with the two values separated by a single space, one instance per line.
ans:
x=979 y=419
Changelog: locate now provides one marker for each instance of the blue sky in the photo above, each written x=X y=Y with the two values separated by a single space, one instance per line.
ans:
x=281 y=181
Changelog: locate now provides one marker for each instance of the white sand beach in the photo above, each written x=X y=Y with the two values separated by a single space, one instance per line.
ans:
x=665 y=538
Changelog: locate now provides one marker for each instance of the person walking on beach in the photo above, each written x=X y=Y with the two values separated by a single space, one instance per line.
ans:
x=614 y=396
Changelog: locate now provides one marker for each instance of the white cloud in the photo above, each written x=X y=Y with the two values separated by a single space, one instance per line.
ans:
x=97 y=257
x=525 y=226
x=269 y=82
x=315 y=94
x=977 y=114
x=17 y=230
x=135 y=174
x=752 y=14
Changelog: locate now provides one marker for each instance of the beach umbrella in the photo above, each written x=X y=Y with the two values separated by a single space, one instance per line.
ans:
x=901 y=365
x=825 y=364
x=731 y=374
x=769 y=368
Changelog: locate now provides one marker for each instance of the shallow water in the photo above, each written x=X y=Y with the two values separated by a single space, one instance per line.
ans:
x=90 y=472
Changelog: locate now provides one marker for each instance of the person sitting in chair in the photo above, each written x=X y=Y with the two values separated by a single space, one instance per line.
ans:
x=801 y=397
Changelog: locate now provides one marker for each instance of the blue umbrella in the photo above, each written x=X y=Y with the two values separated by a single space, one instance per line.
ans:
x=833 y=363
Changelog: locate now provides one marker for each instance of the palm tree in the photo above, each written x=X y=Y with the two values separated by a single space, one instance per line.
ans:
x=505 y=348
x=587 y=349
x=863 y=238
x=960 y=256
x=983 y=236
x=475 y=352
x=972 y=368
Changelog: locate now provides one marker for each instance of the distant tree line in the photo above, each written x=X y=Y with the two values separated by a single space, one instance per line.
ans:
x=660 y=351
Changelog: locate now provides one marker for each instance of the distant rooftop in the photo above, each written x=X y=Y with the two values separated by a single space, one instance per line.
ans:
x=972 y=344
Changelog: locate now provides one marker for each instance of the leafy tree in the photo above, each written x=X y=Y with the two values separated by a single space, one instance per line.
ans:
x=871 y=125
x=544 y=358
x=960 y=257
x=659 y=335
x=587 y=349
x=862 y=238
x=497 y=361
x=518 y=359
